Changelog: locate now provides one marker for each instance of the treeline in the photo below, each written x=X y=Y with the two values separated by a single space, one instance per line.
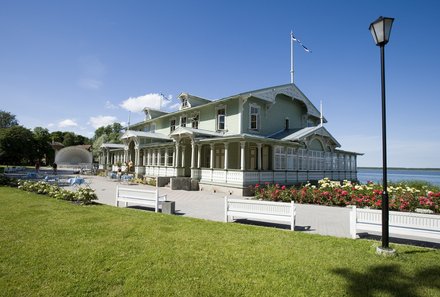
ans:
x=22 y=146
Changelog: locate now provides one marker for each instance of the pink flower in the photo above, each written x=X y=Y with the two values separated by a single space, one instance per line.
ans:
x=283 y=187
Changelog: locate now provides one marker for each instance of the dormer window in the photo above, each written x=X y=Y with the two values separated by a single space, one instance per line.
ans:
x=183 y=121
x=172 y=125
x=185 y=103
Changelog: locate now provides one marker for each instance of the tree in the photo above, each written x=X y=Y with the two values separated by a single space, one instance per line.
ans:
x=42 y=142
x=17 y=146
x=7 y=119
x=106 y=134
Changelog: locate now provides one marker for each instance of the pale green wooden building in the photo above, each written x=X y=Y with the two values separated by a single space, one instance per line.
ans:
x=273 y=135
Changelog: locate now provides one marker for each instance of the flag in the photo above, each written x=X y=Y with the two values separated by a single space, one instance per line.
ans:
x=300 y=43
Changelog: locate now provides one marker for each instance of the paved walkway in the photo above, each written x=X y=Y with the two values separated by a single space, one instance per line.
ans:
x=210 y=206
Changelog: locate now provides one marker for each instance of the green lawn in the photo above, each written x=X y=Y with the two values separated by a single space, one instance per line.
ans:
x=56 y=248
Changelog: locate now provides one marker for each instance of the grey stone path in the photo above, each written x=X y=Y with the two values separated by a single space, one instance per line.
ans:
x=210 y=206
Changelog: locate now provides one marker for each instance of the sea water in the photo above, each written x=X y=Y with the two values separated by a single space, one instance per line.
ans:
x=396 y=175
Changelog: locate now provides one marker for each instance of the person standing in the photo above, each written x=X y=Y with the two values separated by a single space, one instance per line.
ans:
x=54 y=166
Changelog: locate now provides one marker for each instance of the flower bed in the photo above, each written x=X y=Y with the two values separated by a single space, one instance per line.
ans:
x=333 y=193
x=82 y=195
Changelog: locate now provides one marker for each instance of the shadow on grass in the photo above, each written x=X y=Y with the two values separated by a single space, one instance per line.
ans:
x=272 y=225
x=390 y=280
x=414 y=242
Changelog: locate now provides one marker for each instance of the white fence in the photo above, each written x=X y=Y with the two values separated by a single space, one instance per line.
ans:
x=400 y=223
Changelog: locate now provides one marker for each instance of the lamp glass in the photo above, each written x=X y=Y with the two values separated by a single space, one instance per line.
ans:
x=381 y=29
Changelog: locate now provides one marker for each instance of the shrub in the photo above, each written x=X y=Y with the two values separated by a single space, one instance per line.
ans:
x=82 y=195
x=402 y=197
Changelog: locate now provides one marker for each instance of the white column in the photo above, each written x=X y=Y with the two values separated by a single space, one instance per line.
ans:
x=199 y=155
x=144 y=157
x=226 y=156
x=193 y=154
x=242 y=155
x=177 y=155
x=183 y=155
x=166 y=157
x=136 y=157
x=211 y=163
x=158 y=157
x=174 y=157
x=259 y=155
x=107 y=158
x=153 y=156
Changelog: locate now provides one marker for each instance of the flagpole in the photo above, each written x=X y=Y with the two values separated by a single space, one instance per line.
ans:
x=291 y=57
x=322 y=116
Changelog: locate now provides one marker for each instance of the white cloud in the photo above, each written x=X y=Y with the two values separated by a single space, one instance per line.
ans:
x=50 y=125
x=110 y=105
x=137 y=104
x=100 y=121
x=67 y=123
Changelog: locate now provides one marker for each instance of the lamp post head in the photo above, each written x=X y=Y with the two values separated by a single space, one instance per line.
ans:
x=381 y=30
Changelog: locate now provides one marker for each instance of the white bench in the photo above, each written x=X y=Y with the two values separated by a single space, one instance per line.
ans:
x=139 y=197
x=400 y=223
x=262 y=210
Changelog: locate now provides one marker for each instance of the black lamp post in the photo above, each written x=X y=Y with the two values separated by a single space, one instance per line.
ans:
x=381 y=30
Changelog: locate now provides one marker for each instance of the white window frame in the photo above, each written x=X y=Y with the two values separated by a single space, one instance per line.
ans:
x=279 y=158
x=291 y=159
x=217 y=117
x=186 y=120
x=193 y=121
x=185 y=103
x=153 y=127
x=172 y=127
x=258 y=116
x=302 y=159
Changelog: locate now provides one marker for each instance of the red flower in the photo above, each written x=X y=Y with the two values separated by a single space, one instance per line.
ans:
x=283 y=187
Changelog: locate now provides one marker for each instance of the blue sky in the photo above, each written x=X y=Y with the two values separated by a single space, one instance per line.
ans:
x=71 y=65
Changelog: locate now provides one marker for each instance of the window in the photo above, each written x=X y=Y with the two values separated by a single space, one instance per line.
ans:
x=353 y=163
x=153 y=127
x=195 y=122
x=291 y=159
x=280 y=158
x=316 y=160
x=185 y=103
x=170 y=157
x=221 y=115
x=183 y=121
x=254 y=117
x=328 y=161
x=172 y=125
x=302 y=159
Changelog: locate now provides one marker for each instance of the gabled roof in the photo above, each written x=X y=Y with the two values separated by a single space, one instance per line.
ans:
x=290 y=90
x=266 y=94
x=192 y=100
x=301 y=134
x=131 y=133
x=151 y=113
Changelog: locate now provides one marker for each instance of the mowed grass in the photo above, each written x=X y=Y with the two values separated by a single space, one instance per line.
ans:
x=56 y=248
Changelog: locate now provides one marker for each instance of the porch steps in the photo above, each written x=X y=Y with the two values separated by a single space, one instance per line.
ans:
x=184 y=183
